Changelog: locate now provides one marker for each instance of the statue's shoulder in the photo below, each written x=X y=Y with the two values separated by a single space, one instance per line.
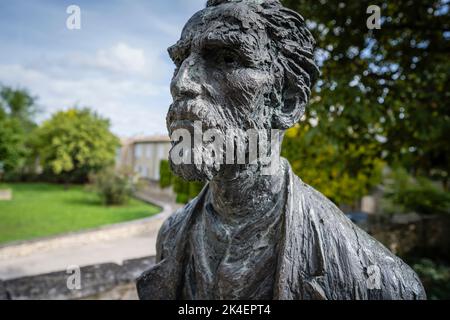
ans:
x=167 y=234
x=343 y=245
x=316 y=204
x=175 y=220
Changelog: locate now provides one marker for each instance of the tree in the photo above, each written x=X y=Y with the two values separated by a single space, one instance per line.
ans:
x=75 y=143
x=12 y=141
x=344 y=176
x=19 y=104
x=406 y=194
x=17 y=109
x=385 y=89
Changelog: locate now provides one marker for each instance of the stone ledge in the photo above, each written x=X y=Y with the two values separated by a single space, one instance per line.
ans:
x=3 y=292
x=95 y=280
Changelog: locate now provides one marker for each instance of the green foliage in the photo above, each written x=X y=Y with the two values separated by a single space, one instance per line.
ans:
x=12 y=144
x=165 y=174
x=185 y=190
x=181 y=188
x=344 y=173
x=113 y=187
x=17 y=109
x=386 y=88
x=420 y=195
x=435 y=278
x=74 y=143
x=42 y=209
x=194 y=188
x=20 y=105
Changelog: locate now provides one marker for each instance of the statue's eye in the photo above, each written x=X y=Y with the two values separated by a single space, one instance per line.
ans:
x=229 y=58
x=222 y=57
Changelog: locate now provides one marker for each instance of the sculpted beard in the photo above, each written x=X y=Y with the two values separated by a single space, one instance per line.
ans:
x=182 y=115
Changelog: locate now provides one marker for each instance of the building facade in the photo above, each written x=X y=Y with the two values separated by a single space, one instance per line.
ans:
x=143 y=155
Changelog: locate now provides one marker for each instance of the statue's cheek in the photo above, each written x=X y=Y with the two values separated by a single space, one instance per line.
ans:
x=247 y=82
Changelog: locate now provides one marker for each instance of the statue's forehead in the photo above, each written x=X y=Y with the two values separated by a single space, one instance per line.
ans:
x=223 y=18
x=231 y=25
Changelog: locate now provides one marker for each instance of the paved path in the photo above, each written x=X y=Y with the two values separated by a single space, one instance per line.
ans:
x=112 y=250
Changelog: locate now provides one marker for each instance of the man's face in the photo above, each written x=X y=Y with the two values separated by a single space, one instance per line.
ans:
x=223 y=77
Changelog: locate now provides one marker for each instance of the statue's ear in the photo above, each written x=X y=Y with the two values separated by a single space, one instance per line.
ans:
x=291 y=102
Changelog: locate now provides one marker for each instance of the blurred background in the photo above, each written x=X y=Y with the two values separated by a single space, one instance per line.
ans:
x=84 y=177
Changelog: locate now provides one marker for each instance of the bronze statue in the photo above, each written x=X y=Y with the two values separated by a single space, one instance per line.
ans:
x=249 y=64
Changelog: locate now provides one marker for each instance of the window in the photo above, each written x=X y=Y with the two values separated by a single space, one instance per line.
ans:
x=161 y=153
x=137 y=151
x=149 y=151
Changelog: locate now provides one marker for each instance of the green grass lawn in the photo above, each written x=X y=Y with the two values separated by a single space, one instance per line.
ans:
x=39 y=210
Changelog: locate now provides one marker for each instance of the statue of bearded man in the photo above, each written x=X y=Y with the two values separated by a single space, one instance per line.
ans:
x=249 y=64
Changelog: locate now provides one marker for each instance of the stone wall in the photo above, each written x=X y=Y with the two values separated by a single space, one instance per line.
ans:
x=3 y=292
x=102 y=281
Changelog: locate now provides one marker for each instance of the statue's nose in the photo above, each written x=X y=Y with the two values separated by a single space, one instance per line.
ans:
x=186 y=83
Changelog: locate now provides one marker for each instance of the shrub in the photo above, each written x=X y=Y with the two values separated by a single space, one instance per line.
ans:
x=435 y=278
x=165 y=174
x=194 y=188
x=419 y=195
x=181 y=188
x=185 y=190
x=114 y=187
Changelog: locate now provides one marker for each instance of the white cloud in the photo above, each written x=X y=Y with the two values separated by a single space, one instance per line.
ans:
x=123 y=58
x=132 y=105
x=119 y=60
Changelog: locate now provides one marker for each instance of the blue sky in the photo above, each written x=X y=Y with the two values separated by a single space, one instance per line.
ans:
x=116 y=64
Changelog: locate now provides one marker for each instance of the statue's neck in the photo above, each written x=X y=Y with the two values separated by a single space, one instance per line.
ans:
x=246 y=192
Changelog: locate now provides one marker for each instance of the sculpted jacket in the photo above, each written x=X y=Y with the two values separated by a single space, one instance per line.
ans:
x=322 y=254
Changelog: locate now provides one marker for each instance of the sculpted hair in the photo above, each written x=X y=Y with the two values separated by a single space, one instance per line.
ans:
x=293 y=58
